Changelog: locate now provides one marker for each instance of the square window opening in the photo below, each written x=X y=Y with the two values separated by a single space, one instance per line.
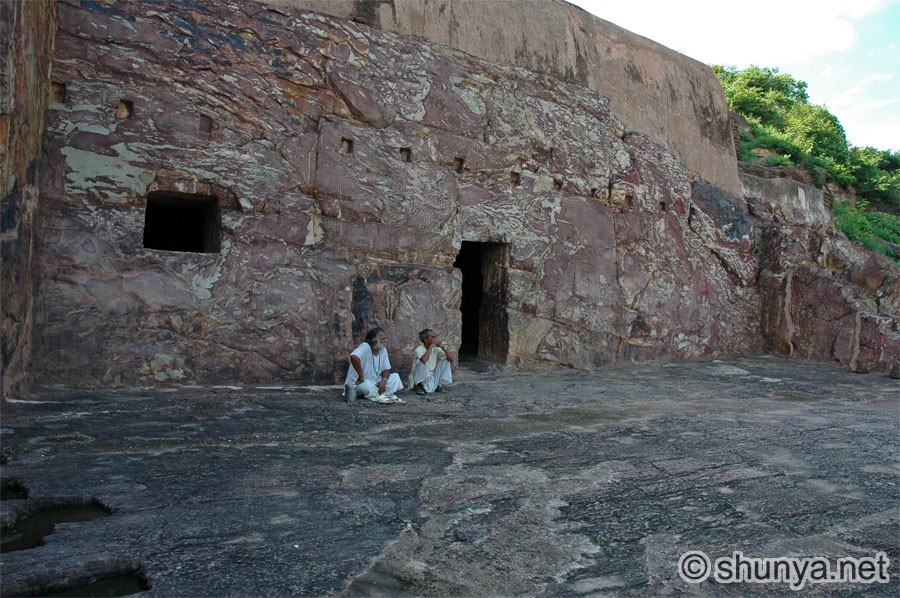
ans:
x=182 y=222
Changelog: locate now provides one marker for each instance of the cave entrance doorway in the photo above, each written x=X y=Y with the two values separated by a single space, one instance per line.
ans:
x=485 y=326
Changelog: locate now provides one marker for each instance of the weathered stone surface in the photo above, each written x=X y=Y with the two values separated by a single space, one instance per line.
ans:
x=549 y=483
x=27 y=32
x=822 y=296
x=726 y=229
x=349 y=165
x=674 y=99
x=789 y=201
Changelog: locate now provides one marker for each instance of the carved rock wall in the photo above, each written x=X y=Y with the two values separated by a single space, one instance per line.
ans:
x=674 y=99
x=824 y=298
x=349 y=164
x=27 y=31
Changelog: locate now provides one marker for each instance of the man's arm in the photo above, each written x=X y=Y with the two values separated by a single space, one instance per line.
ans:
x=357 y=365
x=382 y=383
x=450 y=356
x=427 y=354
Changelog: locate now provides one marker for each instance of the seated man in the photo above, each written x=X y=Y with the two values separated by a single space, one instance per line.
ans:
x=370 y=370
x=431 y=365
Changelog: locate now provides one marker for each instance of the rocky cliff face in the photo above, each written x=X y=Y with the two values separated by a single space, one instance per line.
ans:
x=347 y=167
x=675 y=100
x=823 y=297
x=27 y=31
x=237 y=191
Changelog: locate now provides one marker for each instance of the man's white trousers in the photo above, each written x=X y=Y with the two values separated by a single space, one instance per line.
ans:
x=442 y=375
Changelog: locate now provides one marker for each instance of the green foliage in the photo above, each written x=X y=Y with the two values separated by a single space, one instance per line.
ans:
x=783 y=121
x=747 y=145
x=774 y=140
x=877 y=175
x=776 y=160
x=878 y=231
x=806 y=136
x=816 y=131
x=760 y=93
x=798 y=134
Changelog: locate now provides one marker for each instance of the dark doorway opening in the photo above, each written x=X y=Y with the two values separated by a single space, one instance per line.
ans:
x=182 y=222
x=485 y=331
x=469 y=262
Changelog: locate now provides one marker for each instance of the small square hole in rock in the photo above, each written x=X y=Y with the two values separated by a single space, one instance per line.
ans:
x=126 y=109
x=182 y=222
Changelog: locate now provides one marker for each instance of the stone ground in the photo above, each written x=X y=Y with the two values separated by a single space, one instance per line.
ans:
x=553 y=483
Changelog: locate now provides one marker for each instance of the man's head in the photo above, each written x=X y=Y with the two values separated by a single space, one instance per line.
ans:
x=423 y=336
x=377 y=338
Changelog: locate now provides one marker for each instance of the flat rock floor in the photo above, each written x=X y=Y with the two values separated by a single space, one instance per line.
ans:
x=547 y=483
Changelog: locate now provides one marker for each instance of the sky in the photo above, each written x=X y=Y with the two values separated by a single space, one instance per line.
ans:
x=848 y=52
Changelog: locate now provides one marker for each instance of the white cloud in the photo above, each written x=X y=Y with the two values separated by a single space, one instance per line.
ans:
x=765 y=33
x=853 y=96
x=863 y=8
x=870 y=130
x=867 y=107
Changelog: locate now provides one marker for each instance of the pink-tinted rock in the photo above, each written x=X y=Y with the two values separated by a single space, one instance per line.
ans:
x=823 y=298
x=675 y=100
x=350 y=87
x=347 y=168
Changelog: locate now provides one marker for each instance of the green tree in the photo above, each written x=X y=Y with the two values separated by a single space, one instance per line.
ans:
x=804 y=135
x=877 y=175
x=816 y=131
x=783 y=121
x=761 y=93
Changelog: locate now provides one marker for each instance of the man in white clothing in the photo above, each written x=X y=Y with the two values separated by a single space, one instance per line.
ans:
x=431 y=365
x=370 y=370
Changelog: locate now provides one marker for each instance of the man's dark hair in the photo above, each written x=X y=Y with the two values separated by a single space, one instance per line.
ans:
x=424 y=334
x=372 y=336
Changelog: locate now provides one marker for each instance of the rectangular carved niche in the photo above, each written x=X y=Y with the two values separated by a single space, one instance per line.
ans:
x=182 y=222
x=57 y=92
